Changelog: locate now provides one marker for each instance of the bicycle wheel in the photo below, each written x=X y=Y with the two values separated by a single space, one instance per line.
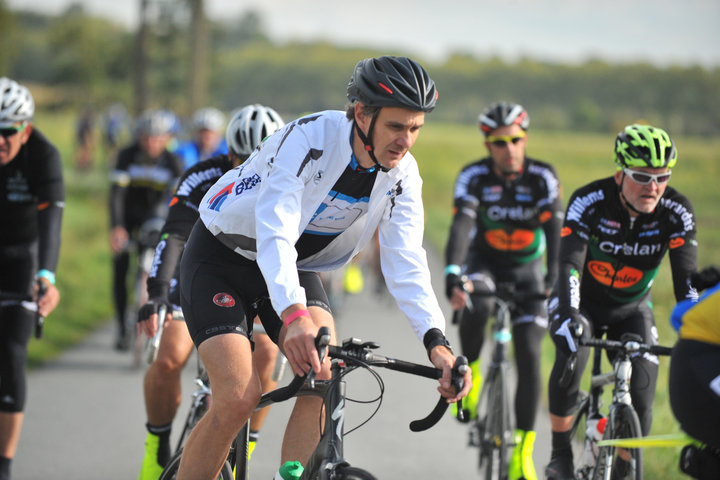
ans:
x=171 y=470
x=346 y=472
x=496 y=430
x=583 y=469
x=615 y=462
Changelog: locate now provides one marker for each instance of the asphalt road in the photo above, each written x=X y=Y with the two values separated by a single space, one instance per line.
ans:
x=85 y=414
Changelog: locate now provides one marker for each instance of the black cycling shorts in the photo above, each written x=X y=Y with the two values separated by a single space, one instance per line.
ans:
x=221 y=291
x=695 y=389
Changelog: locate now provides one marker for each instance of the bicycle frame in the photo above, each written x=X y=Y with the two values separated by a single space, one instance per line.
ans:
x=620 y=407
x=327 y=460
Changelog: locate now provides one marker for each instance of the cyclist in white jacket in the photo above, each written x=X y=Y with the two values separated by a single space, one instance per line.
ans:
x=308 y=200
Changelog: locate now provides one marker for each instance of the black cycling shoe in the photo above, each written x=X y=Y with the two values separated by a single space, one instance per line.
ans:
x=560 y=468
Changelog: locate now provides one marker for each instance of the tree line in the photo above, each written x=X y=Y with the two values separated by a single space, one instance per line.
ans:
x=75 y=59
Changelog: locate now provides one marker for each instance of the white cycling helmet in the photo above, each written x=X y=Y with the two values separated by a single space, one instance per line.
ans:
x=249 y=126
x=208 y=119
x=16 y=103
x=157 y=122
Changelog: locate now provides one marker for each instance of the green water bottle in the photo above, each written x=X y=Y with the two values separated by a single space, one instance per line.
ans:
x=289 y=471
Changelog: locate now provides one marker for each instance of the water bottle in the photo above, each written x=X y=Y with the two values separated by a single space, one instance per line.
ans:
x=593 y=434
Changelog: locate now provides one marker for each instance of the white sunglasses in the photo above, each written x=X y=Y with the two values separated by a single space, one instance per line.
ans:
x=644 y=178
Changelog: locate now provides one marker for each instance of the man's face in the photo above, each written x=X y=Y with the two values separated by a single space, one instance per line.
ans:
x=395 y=132
x=12 y=139
x=507 y=148
x=643 y=198
x=154 y=145
x=208 y=140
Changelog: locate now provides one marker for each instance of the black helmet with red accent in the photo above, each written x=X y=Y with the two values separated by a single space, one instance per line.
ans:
x=501 y=114
x=392 y=82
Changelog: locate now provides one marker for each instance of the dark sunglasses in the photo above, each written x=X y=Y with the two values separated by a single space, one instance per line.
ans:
x=644 y=178
x=503 y=140
x=10 y=131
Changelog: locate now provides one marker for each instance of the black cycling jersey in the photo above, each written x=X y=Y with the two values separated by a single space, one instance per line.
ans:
x=609 y=258
x=181 y=217
x=32 y=198
x=514 y=220
x=347 y=201
x=140 y=186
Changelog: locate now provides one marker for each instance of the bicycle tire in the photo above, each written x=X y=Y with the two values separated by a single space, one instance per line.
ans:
x=171 y=470
x=623 y=422
x=496 y=427
x=345 y=472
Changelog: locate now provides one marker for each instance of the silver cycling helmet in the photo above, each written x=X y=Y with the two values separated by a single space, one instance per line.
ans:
x=17 y=103
x=208 y=119
x=501 y=114
x=157 y=122
x=249 y=127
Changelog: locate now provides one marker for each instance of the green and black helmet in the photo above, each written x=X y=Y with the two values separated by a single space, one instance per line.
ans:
x=644 y=146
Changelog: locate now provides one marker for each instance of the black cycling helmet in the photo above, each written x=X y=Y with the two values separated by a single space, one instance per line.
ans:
x=392 y=82
x=501 y=114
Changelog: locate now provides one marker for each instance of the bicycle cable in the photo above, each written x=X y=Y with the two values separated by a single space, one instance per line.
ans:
x=378 y=399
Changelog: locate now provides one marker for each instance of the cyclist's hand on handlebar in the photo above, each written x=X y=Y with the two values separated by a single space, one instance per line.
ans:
x=148 y=315
x=119 y=238
x=443 y=358
x=705 y=278
x=299 y=344
x=452 y=282
x=49 y=299
x=567 y=334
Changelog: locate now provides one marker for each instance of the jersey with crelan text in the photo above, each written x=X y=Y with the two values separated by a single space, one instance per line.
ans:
x=506 y=218
x=607 y=257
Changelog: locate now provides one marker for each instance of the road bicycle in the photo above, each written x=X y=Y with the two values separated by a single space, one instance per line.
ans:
x=592 y=459
x=492 y=433
x=13 y=299
x=327 y=462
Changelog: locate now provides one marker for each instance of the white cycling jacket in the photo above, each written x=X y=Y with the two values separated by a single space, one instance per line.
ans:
x=261 y=208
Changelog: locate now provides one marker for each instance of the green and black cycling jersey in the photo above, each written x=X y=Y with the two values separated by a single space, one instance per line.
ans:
x=507 y=222
x=609 y=258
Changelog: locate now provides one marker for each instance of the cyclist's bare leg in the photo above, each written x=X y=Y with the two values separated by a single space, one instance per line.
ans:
x=264 y=360
x=162 y=379
x=10 y=426
x=302 y=433
x=236 y=391
x=560 y=424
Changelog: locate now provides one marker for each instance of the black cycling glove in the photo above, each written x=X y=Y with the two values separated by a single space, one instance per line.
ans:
x=152 y=306
x=705 y=278
x=451 y=281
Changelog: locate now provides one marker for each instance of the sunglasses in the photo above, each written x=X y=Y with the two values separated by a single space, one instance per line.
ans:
x=503 y=140
x=644 y=178
x=10 y=131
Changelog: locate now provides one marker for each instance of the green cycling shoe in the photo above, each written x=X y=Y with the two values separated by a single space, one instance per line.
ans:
x=521 y=466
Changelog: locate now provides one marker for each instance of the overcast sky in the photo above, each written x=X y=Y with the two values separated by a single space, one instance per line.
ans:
x=662 y=32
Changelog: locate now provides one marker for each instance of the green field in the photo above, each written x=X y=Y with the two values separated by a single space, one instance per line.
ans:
x=84 y=276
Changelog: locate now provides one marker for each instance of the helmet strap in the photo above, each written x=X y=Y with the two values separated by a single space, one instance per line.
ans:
x=625 y=200
x=367 y=141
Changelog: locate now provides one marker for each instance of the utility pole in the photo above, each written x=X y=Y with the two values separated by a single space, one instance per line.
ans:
x=199 y=64
x=141 y=59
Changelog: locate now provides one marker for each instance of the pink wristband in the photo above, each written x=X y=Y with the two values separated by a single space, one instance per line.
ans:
x=294 y=316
